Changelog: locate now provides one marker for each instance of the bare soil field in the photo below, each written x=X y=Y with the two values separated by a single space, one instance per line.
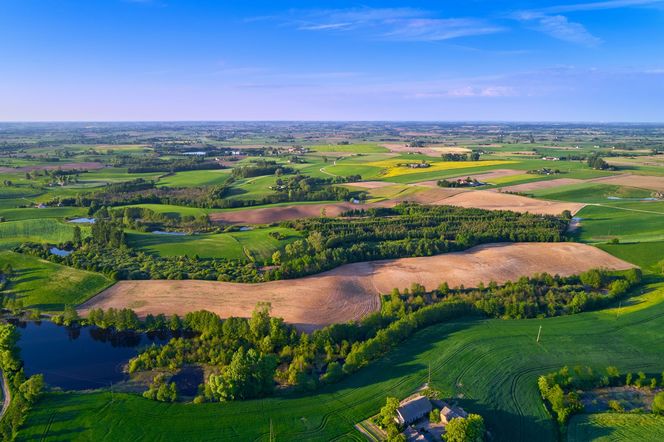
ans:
x=538 y=185
x=433 y=150
x=434 y=196
x=493 y=200
x=437 y=196
x=498 y=173
x=649 y=160
x=268 y=215
x=351 y=291
x=55 y=166
x=640 y=181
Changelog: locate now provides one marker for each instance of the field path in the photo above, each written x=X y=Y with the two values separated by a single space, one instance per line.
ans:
x=625 y=208
x=352 y=291
x=6 y=395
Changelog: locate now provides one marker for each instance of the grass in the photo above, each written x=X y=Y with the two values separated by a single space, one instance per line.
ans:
x=236 y=245
x=252 y=188
x=351 y=148
x=18 y=192
x=647 y=255
x=490 y=366
x=48 y=230
x=47 y=212
x=170 y=210
x=590 y=193
x=629 y=222
x=196 y=178
x=48 y=286
x=608 y=427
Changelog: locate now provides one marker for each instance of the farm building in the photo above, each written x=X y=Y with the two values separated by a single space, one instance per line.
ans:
x=449 y=412
x=413 y=409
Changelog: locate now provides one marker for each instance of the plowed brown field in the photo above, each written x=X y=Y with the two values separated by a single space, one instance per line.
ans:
x=351 y=291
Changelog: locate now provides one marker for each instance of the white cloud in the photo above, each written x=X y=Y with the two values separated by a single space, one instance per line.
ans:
x=559 y=27
x=594 y=6
x=397 y=24
x=470 y=92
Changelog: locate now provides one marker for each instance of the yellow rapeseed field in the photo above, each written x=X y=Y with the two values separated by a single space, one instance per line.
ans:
x=392 y=167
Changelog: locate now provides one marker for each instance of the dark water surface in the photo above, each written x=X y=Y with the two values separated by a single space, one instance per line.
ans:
x=79 y=358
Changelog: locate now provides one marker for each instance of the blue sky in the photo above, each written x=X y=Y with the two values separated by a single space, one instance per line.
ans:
x=250 y=60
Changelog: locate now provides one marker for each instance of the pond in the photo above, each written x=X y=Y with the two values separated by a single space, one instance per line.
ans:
x=163 y=232
x=617 y=198
x=82 y=220
x=59 y=252
x=79 y=358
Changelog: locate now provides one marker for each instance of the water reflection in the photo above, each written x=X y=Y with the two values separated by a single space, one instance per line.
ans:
x=79 y=358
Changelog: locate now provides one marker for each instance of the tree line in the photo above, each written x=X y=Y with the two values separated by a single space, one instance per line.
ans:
x=406 y=230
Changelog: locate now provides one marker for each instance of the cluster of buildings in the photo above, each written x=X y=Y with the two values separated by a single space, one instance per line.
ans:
x=413 y=413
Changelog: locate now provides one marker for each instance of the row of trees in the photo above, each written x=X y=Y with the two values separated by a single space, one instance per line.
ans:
x=529 y=297
x=404 y=231
x=260 y=168
x=473 y=156
x=595 y=161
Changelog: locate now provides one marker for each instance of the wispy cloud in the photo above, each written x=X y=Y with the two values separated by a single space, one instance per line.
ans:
x=470 y=92
x=559 y=27
x=550 y=20
x=593 y=6
x=397 y=24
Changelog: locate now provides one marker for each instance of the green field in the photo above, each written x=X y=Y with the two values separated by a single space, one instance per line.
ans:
x=196 y=178
x=252 y=188
x=647 y=255
x=46 y=212
x=236 y=245
x=608 y=427
x=48 y=286
x=491 y=366
x=590 y=193
x=170 y=210
x=12 y=233
x=633 y=221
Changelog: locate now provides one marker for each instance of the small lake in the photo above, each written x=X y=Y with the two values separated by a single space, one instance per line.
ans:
x=82 y=220
x=162 y=232
x=59 y=252
x=617 y=198
x=80 y=358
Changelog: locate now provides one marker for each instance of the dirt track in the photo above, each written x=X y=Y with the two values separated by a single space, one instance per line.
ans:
x=351 y=291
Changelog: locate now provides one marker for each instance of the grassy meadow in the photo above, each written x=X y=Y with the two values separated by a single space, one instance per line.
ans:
x=251 y=244
x=12 y=233
x=609 y=427
x=48 y=286
x=490 y=366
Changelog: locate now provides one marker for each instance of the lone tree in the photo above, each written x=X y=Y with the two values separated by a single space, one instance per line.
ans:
x=658 y=403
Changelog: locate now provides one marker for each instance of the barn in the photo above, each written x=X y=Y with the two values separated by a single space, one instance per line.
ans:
x=413 y=409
